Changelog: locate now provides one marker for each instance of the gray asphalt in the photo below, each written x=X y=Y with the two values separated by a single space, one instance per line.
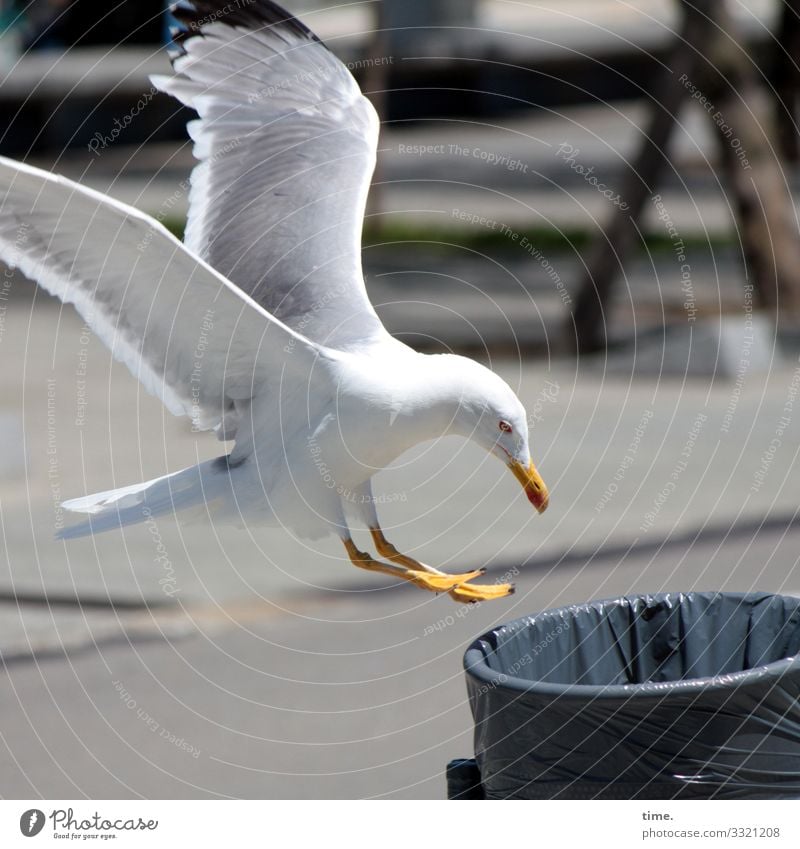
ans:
x=257 y=665
x=347 y=695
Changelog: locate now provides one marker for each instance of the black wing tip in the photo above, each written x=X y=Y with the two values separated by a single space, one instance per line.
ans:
x=250 y=14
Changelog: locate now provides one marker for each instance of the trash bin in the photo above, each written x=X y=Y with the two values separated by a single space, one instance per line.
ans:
x=673 y=695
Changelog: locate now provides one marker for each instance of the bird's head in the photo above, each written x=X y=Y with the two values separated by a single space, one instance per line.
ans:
x=489 y=413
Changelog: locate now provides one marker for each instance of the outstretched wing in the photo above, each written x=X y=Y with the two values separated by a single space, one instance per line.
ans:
x=189 y=335
x=286 y=143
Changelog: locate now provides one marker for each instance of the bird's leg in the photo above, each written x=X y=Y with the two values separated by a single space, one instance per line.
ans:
x=369 y=515
x=387 y=550
x=436 y=583
x=464 y=592
x=459 y=590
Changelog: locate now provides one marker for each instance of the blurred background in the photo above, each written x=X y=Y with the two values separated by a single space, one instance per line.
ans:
x=597 y=198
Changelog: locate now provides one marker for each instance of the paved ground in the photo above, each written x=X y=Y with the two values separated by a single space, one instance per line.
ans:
x=193 y=661
x=291 y=673
x=341 y=695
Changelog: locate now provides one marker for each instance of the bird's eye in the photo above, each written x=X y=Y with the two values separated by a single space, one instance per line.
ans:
x=505 y=426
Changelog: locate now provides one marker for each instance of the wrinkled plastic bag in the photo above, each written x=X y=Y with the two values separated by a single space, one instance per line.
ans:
x=673 y=695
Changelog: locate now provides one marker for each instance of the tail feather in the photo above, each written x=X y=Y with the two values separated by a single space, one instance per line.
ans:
x=130 y=505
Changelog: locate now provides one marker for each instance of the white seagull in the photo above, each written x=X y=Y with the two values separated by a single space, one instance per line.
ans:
x=259 y=326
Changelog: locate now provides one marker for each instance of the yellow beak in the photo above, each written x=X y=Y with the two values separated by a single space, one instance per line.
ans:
x=532 y=483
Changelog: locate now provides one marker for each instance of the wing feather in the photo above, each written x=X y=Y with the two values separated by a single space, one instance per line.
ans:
x=286 y=143
x=189 y=335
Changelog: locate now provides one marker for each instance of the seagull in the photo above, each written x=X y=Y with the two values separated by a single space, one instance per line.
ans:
x=258 y=325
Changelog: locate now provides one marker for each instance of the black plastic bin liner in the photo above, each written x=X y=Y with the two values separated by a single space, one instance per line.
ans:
x=674 y=695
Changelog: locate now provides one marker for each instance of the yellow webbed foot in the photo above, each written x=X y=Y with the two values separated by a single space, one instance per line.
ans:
x=439 y=583
x=472 y=593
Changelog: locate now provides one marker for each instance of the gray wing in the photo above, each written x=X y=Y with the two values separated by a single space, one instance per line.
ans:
x=189 y=335
x=286 y=143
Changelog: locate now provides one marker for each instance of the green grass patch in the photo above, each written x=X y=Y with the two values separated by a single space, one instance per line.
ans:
x=546 y=239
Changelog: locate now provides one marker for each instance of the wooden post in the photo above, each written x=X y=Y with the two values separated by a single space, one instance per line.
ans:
x=786 y=80
x=588 y=323
x=752 y=169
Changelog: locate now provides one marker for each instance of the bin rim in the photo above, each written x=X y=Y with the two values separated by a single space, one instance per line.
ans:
x=475 y=664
